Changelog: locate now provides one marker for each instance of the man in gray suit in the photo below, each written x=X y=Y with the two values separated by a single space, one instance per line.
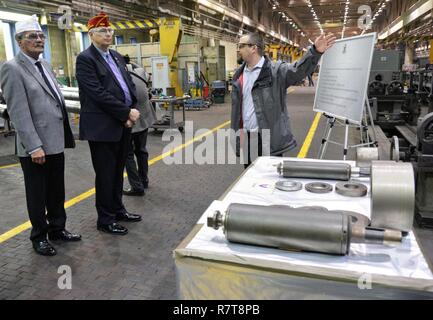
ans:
x=37 y=110
x=138 y=179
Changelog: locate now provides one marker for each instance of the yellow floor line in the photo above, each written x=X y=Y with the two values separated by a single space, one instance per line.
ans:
x=13 y=232
x=309 y=138
x=10 y=166
x=26 y=225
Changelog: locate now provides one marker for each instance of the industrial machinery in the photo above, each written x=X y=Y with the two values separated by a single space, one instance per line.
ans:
x=199 y=92
x=218 y=91
x=313 y=229
x=402 y=106
x=392 y=103
x=409 y=139
x=424 y=172
x=422 y=82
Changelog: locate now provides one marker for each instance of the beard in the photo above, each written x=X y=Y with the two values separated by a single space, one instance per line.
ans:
x=240 y=60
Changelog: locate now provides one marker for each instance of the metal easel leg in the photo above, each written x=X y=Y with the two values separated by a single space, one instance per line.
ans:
x=326 y=135
x=346 y=139
x=371 y=121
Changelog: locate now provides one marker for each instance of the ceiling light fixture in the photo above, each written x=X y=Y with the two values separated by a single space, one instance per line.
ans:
x=319 y=25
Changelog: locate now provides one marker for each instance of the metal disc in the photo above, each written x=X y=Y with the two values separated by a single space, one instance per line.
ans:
x=351 y=189
x=318 y=187
x=285 y=185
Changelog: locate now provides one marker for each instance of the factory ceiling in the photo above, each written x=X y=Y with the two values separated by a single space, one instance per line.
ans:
x=284 y=21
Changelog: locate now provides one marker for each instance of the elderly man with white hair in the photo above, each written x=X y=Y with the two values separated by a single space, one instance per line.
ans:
x=37 y=110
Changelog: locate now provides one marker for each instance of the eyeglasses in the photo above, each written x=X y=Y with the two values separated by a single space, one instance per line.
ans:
x=104 y=30
x=35 y=36
x=242 y=45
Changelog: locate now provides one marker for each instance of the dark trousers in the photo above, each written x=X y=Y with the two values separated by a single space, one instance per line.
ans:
x=255 y=147
x=45 y=194
x=108 y=160
x=137 y=146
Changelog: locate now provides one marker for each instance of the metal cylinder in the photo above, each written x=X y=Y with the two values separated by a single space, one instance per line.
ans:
x=364 y=156
x=71 y=95
x=314 y=170
x=392 y=195
x=375 y=235
x=283 y=227
x=73 y=106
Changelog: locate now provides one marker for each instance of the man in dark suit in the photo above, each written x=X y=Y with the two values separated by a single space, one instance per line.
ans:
x=138 y=172
x=107 y=96
x=37 y=109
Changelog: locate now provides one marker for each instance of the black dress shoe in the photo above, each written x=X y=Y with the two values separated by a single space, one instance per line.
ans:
x=113 y=228
x=44 y=248
x=64 y=235
x=129 y=217
x=133 y=193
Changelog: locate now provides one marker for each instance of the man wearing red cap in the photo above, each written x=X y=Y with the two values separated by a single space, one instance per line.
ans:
x=107 y=96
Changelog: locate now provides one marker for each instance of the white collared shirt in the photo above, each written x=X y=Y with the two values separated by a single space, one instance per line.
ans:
x=248 y=112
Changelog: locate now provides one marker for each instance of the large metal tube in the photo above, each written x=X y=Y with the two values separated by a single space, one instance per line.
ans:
x=364 y=156
x=314 y=170
x=312 y=229
x=307 y=229
x=392 y=195
x=73 y=106
x=71 y=95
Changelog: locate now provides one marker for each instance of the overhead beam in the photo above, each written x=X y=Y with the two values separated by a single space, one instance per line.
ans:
x=241 y=17
x=419 y=9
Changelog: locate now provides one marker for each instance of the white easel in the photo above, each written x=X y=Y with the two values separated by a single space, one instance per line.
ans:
x=363 y=126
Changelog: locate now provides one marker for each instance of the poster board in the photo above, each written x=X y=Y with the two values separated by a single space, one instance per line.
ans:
x=160 y=73
x=343 y=78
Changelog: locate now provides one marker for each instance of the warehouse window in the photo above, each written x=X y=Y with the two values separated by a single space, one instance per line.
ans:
x=133 y=40
x=47 y=48
x=86 y=40
x=8 y=40
x=119 y=39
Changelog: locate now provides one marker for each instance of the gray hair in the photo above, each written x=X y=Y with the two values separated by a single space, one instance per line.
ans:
x=257 y=39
